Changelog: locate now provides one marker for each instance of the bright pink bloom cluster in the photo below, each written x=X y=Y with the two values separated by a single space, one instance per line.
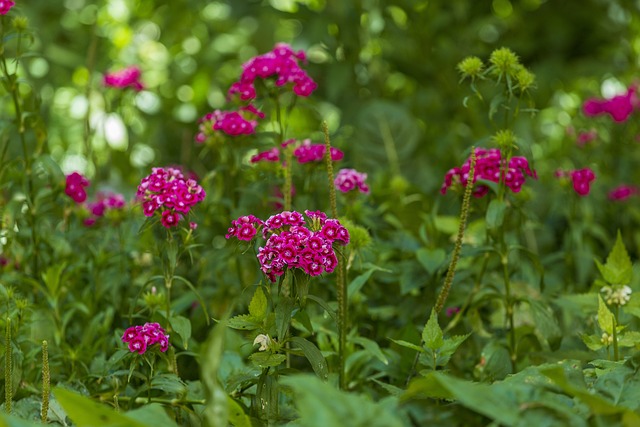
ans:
x=292 y=244
x=5 y=6
x=272 y=155
x=168 y=191
x=308 y=152
x=581 y=179
x=103 y=203
x=233 y=123
x=281 y=63
x=350 y=179
x=623 y=192
x=127 y=77
x=140 y=338
x=488 y=164
x=74 y=188
x=619 y=107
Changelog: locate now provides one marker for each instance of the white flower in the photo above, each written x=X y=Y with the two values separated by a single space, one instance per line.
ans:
x=616 y=295
x=264 y=341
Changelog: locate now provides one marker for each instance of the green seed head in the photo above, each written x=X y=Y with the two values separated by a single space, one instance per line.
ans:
x=504 y=61
x=504 y=139
x=471 y=66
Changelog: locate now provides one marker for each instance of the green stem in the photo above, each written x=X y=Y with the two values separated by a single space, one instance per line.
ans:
x=46 y=382
x=509 y=308
x=8 y=369
x=343 y=303
x=616 y=354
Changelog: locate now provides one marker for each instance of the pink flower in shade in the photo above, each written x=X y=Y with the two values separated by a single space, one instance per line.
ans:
x=272 y=155
x=233 y=123
x=5 y=6
x=620 y=107
x=581 y=179
x=308 y=152
x=292 y=243
x=586 y=137
x=104 y=202
x=350 y=179
x=168 y=191
x=282 y=64
x=623 y=192
x=452 y=310
x=488 y=167
x=140 y=338
x=75 y=187
x=127 y=77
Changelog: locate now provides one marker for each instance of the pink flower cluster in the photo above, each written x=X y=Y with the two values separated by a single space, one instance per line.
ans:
x=581 y=179
x=291 y=243
x=350 y=179
x=488 y=164
x=281 y=63
x=272 y=155
x=75 y=187
x=168 y=191
x=308 y=152
x=140 y=338
x=619 y=107
x=232 y=123
x=623 y=192
x=127 y=77
x=5 y=6
x=103 y=203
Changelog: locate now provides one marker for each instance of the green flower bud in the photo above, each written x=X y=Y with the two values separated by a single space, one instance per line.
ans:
x=504 y=139
x=20 y=23
x=525 y=79
x=504 y=62
x=471 y=67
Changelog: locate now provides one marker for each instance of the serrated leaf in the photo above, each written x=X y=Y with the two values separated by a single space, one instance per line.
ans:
x=629 y=339
x=605 y=317
x=450 y=345
x=243 y=321
x=265 y=359
x=592 y=341
x=432 y=334
x=258 y=305
x=618 y=269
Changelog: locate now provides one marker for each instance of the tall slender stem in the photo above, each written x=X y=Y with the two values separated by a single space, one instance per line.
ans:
x=46 y=382
x=8 y=368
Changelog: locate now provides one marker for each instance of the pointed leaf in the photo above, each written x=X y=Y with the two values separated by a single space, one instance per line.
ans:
x=407 y=344
x=432 y=334
x=265 y=359
x=373 y=348
x=605 y=317
x=313 y=355
x=431 y=259
x=618 y=268
x=495 y=214
x=258 y=305
x=182 y=326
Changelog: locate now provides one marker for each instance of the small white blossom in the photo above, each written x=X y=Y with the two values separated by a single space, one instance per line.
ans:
x=616 y=295
x=606 y=339
x=264 y=341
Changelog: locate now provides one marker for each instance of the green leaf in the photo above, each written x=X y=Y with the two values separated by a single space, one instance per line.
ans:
x=244 y=322
x=169 y=383
x=592 y=341
x=495 y=214
x=284 y=310
x=605 y=317
x=313 y=355
x=258 y=305
x=618 y=269
x=432 y=334
x=52 y=278
x=407 y=344
x=431 y=259
x=543 y=318
x=320 y=405
x=237 y=417
x=216 y=411
x=85 y=412
x=182 y=326
x=449 y=347
x=629 y=339
x=264 y=359
x=372 y=347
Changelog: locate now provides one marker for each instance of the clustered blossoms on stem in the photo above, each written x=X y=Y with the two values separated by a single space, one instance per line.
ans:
x=581 y=179
x=282 y=63
x=140 y=338
x=74 y=187
x=623 y=192
x=127 y=77
x=170 y=192
x=5 y=6
x=272 y=155
x=308 y=152
x=586 y=137
x=232 y=123
x=488 y=165
x=616 y=295
x=350 y=179
x=104 y=202
x=291 y=243
x=620 y=107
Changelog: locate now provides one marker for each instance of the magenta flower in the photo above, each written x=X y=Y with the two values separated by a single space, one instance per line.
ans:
x=308 y=152
x=620 y=107
x=488 y=167
x=272 y=155
x=74 y=187
x=5 y=6
x=282 y=63
x=581 y=179
x=140 y=338
x=127 y=77
x=349 y=179
x=623 y=192
x=168 y=191
x=292 y=243
x=104 y=202
x=586 y=137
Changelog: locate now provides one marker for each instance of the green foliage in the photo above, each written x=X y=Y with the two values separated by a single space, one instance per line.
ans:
x=618 y=268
